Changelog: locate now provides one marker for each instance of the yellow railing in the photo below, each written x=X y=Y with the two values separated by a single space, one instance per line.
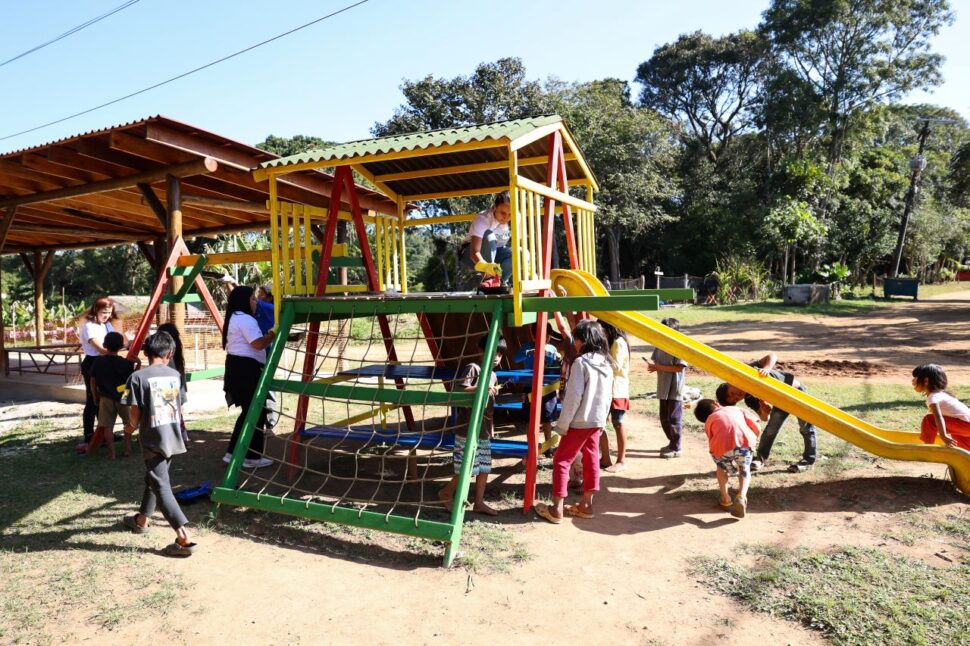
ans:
x=528 y=205
x=292 y=248
x=586 y=240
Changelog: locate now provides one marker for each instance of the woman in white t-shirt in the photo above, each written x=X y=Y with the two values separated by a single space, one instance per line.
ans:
x=93 y=325
x=486 y=248
x=245 y=346
x=949 y=417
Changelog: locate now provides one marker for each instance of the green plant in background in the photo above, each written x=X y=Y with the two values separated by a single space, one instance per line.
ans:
x=741 y=279
x=836 y=275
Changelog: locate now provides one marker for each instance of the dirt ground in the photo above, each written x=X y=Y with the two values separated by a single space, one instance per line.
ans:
x=621 y=577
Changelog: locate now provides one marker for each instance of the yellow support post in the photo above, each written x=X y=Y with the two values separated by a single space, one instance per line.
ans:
x=401 y=217
x=516 y=227
x=311 y=278
x=379 y=253
x=274 y=234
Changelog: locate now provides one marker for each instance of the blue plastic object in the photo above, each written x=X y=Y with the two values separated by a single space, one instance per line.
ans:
x=189 y=496
x=377 y=435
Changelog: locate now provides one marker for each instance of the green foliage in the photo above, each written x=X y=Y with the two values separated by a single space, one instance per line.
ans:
x=741 y=279
x=286 y=146
x=851 y=595
x=792 y=222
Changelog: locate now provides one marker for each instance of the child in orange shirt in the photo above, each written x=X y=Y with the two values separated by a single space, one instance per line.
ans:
x=731 y=434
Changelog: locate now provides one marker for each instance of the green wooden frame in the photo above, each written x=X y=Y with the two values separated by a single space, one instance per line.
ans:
x=449 y=532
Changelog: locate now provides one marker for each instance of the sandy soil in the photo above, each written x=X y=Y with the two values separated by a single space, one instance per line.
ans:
x=621 y=577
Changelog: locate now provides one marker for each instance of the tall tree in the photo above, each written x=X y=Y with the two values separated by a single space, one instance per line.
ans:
x=709 y=84
x=631 y=150
x=286 y=146
x=854 y=53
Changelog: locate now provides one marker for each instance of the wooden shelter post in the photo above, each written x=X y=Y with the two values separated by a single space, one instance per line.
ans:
x=42 y=265
x=173 y=231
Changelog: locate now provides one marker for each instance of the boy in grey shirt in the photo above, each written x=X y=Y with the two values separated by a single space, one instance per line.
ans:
x=155 y=397
x=670 y=393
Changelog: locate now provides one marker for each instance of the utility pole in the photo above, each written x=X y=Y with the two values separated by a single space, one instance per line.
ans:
x=916 y=165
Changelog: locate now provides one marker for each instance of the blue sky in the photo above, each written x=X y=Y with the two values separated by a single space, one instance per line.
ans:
x=337 y=78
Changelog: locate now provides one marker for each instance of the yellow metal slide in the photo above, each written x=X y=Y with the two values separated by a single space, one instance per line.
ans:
x=896 y=445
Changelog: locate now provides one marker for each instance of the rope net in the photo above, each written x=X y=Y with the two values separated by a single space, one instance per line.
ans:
x=376 y=428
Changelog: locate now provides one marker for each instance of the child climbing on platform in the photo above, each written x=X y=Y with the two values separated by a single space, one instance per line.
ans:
x=467 y=381
x=154 y=394
x=486 y=248
x=670 y=393
x=949 y=417
x=620 y=351
x=731 y=433
x=585 y=407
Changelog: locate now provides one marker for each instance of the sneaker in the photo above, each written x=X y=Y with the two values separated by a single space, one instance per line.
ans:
x=757 y=465
x=227 y=457
x=257 y=463
x=800 y=467
x=669 y=454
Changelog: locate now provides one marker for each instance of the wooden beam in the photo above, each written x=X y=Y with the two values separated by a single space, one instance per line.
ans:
x=154 y=203
x=97 y=234
x=168 y=136
x=199 y=166
x=42 y=264
x=232 y=205
x=70 y=158
x=28 y=264
x=173 y=234
x=148 y=251
x=5 y=224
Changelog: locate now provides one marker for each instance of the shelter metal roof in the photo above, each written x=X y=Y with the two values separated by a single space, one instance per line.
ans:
x=448 y=160
x=227 y=199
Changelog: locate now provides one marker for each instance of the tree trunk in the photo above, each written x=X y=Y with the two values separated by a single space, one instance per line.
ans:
x=784 y=268
x=794 y=252
x=613 y=240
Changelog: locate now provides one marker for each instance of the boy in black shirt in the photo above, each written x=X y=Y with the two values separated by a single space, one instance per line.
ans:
x=154 y=394
x=109 y=374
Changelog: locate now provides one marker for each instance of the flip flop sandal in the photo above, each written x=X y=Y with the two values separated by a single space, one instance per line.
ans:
x=725 y=505
x=739 y=507
x=131 y=522
x=578 y=511
x=179 y=550
x=543 y=511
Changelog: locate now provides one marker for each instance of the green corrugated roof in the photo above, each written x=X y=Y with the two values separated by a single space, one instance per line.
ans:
x=509 y=130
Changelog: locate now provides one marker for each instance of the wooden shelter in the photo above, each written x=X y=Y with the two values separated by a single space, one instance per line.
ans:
x=148 y=182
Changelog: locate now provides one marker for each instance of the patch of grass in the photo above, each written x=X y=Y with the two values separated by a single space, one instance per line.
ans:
x=851 y=595
x=487 y=547
x=953 y=525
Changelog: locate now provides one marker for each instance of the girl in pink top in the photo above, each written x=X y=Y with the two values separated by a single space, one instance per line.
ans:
x=948 y=416
x=731 y=434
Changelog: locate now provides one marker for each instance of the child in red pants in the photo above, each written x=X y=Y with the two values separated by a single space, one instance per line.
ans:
x=948 y=417
x=585 y=408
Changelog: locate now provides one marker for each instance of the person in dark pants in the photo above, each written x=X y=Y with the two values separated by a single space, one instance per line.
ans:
x=155 y=397
x=670 y=393
x=729 y=395
x=99 y=319
x=245 y=346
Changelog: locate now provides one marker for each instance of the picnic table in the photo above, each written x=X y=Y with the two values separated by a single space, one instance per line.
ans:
x=44 y=359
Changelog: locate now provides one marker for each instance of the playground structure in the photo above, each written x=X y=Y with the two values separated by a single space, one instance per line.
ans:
x=366 y=443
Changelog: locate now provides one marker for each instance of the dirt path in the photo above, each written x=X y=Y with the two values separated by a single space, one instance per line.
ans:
x=884 y=344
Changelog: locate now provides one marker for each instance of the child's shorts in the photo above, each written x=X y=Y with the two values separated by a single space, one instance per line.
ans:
x=618 y=409
x=483 y=456
x=548 y=414
x=109 y=410
x=736 y=461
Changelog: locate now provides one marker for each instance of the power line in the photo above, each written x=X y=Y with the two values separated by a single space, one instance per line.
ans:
x=188 y=73
x=73 y=30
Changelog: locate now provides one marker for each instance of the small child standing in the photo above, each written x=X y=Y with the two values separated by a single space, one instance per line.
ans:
x=731 y=435
x=585 y=408
x=154 y=394
x=109 y=374
x=620 y=351
x=948 y=417
x=670 y=393
x=467 y=381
